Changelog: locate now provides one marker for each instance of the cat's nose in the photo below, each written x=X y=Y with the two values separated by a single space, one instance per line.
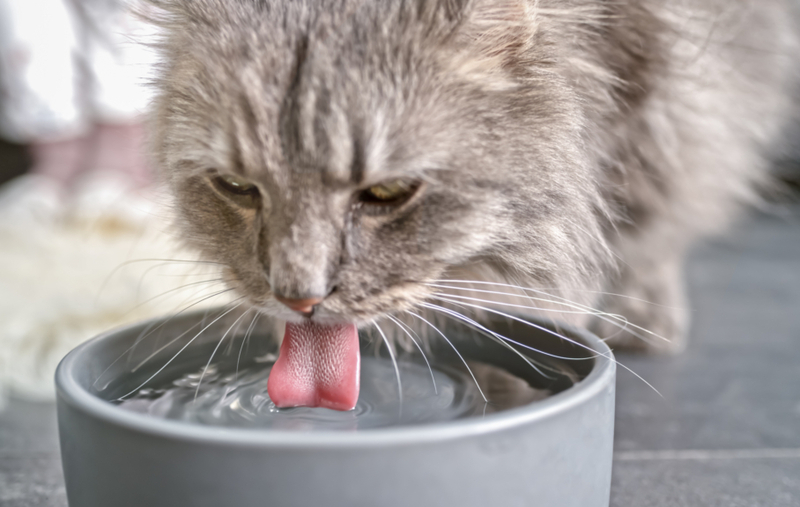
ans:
x=304 y=306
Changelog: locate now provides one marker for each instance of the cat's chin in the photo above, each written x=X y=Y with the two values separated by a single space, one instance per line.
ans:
x=282 y=317
x=323 y=316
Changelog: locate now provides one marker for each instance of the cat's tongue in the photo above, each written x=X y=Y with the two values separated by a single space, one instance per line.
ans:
x=318 y=366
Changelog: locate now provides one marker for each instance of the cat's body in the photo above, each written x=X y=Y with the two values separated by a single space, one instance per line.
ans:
x=570 y=145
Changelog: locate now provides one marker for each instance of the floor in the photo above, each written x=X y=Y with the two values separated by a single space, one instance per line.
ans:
x=725 y=430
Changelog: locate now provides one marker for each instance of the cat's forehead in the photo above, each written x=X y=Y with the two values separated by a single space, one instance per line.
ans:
x=349 y=129
x=299 y=92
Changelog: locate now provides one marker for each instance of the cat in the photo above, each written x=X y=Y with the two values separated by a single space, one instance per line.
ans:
x=349 y=159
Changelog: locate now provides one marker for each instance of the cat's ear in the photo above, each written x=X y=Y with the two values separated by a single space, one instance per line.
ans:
x=496 y=34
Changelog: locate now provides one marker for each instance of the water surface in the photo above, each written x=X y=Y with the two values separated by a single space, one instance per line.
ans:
x=229 y=397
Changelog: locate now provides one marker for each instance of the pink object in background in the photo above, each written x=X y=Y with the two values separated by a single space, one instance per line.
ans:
x=73 y=86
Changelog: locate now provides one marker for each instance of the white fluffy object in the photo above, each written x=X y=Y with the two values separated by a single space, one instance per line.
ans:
x=73 y=268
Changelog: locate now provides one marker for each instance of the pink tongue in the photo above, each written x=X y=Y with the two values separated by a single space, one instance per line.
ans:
x=318 y=366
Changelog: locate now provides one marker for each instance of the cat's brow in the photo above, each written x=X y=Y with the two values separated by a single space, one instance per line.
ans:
x=338 y=179
x=236 y=161
x=358 y=164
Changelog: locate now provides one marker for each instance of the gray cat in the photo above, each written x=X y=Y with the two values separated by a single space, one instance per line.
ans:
x=348 y=159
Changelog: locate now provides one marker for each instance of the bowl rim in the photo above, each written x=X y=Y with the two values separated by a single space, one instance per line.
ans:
x=70 y=392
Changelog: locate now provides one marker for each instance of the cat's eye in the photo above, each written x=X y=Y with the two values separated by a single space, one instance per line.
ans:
x=236 y=185
x=242 y=191
x=390 y=193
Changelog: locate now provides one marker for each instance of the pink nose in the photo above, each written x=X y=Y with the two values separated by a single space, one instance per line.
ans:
x=300 y=305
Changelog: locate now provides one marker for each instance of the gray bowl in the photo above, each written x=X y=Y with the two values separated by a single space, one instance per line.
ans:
x=554 y=452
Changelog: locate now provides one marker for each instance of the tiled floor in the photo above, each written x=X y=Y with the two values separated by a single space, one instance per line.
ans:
x=725 y=431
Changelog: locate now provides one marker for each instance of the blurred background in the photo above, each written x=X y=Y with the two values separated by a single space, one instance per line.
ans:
x=85 y=238
x=73 y=87
x=85 y=242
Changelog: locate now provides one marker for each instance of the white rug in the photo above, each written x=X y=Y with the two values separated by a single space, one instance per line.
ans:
x=71 y=269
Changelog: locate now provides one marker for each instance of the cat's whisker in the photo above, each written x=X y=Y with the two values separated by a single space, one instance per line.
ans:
x=232 y=341
x=496 y=337
x=613 y=319
x=518 y=319
x=504 y=340
x=174 y=289
x=455 y=349
x=100 y=377
x=184 y=275
x=135 y=261
x=568 y=304
x=626 y=325
x=569 y=340
x=394 y=363
x=150 y=330
x=541 y=290
x=152 y=268
x=581 y=309
x=158 y=350
x=622 y=326
x=537 y=308
x=182 y=349
x=402 y=326
x=244 y=339
x=176 y=261
x=225 y=335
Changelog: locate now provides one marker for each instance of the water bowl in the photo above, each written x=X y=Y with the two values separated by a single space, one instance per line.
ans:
x=139 y=428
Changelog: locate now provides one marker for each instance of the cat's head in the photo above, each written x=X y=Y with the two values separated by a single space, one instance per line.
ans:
x=351 y=152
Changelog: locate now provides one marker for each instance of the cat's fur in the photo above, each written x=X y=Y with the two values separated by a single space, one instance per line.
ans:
x=575 y=145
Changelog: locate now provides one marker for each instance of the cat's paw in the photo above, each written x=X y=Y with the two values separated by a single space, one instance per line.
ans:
x=656 y=320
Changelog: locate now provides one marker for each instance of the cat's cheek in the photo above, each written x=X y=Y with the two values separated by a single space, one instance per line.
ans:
x=221 y=231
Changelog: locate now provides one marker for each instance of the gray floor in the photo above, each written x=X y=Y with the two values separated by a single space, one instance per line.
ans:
x=725 y=433
x=727 y=430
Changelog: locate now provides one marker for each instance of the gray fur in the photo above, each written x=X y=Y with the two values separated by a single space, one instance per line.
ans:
x=576 y=145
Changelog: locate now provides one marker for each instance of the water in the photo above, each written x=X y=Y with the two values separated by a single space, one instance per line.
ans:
x=230 y=399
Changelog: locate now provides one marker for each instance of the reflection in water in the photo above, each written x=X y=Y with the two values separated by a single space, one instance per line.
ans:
x=228 y=399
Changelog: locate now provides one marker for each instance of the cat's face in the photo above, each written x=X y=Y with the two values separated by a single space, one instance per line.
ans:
x=354 y=152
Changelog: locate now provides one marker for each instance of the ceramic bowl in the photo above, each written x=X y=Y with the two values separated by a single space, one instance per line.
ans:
x=555 y=452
